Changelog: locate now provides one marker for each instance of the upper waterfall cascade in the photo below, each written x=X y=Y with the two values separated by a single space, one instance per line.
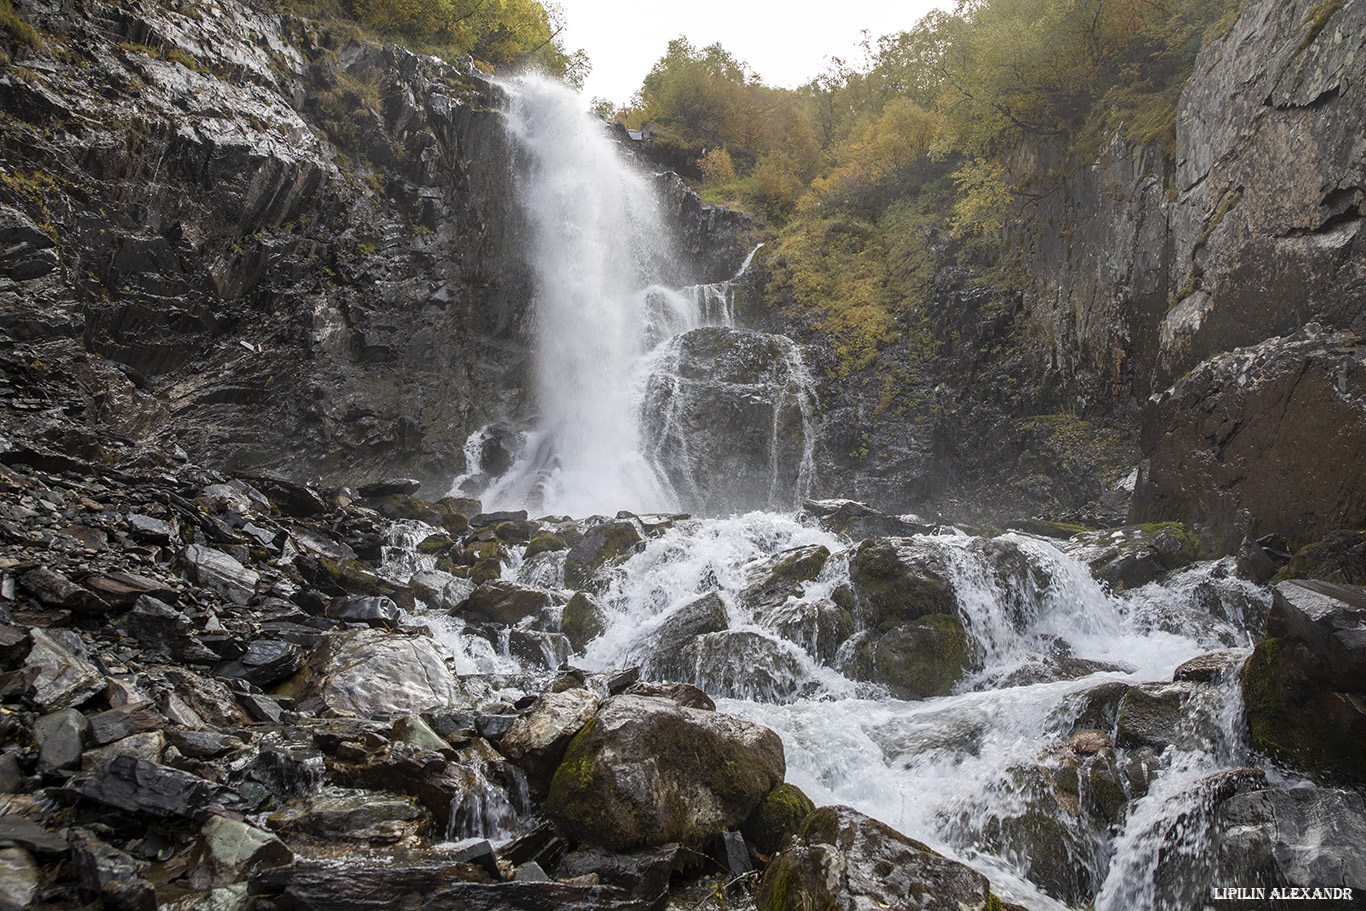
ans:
x=605 y=324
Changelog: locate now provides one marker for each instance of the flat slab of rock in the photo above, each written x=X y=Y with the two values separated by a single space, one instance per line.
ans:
x=149 y=789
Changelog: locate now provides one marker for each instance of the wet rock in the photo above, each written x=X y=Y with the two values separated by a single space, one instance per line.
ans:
x=600 y=544
x=369 y=672
x=18 y=832
x=537 y=739
x=915 y=660
x=434 y=885
x=684 y=694
x=645 y=874
x=114 y=877
x=1211 y=666
x=845 y=859
x=121 y=589
x=124 y=721
x=389 y=487
x=857 y=521
x=740 y=664
x=440 y=590
x=774 y=580
x=374 y=611
x=335 y=814
x=777 y=818
x=1297 y=836
x=1303 y=685
x=61 y=740
x=20 y=879
x=1160 y=716
x=649 y=772
x=149 y=747
x=1339 y=557
x=221 y=572
x=414 y=730
x=1132 y=556
x=452 y=792
x=706 y=614
x=506 y=602
x=270 y=661
x=1221 y=457
x=226 y=851
x=899 y=579
x=160 y=628
x=57 y=590
x=820 y=626
x=146 y=788
x=195 y=701
x=583 y=620
x=59 y=679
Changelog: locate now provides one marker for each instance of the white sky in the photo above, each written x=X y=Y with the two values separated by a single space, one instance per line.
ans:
x=787 y=42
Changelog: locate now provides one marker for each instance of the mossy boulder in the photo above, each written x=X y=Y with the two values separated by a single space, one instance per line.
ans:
x=647 y=772
x=774 y=580
x=1303 y=686
x=1340 y=557
x=584 y=620
x=899 y=579
x=777 y=818
x=508 y=603
x=1133 y=556
x=844 y=859
x=544 y=541
x=916 y=660
x=599 y=545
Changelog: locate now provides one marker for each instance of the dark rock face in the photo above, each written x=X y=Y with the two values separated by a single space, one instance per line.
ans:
x=289 y=250
x=1265 y=439
x=730 y=420
x=1303 y=684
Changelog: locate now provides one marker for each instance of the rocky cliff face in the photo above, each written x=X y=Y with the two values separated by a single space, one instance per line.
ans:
x=268 y=242
x=1143 y=267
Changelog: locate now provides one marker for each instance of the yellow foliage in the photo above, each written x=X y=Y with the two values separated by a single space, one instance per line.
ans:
x=717 y=168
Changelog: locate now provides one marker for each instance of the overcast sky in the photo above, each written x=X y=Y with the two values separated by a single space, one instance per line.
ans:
x=786 y=41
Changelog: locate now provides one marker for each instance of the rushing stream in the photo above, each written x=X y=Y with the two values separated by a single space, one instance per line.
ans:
x=985 y=774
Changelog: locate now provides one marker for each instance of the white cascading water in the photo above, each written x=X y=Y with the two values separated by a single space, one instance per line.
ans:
x=598 y=249
x=955 y=771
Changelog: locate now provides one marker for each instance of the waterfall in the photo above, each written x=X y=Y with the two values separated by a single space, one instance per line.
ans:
x=598 y=248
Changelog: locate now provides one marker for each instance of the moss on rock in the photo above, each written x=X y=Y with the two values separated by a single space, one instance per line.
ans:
x=777 y=817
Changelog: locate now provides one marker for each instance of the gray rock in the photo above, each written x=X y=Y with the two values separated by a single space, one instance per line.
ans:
x=537 y=739
x=1302 y=686
x=61 y=740
x=148 y=747
x=374 y=611
x=221 y=572
x=368 y=672
x=145 y=788
x=55 y=589
x=20 y=878
x=226 y=851
x=118 y=879
x=507 y=602
x=414 y=730
x=1298 y=836
x=124 y=721
x=59 y=678
x=845 y=859
x=19 y=832
x=368 y=817
x=706 y=614
x=160 y=628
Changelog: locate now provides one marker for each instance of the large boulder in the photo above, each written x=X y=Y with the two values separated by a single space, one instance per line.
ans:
x=370 y=672
x=538 y=738
x=647 y=771
x=897 y=579
x=1304 y=683
x=1295 y=837
x=600 y=545
x=843 y=859
x=1264 y=439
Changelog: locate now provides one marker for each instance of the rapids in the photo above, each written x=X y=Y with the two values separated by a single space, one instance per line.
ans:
x=973 y=773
